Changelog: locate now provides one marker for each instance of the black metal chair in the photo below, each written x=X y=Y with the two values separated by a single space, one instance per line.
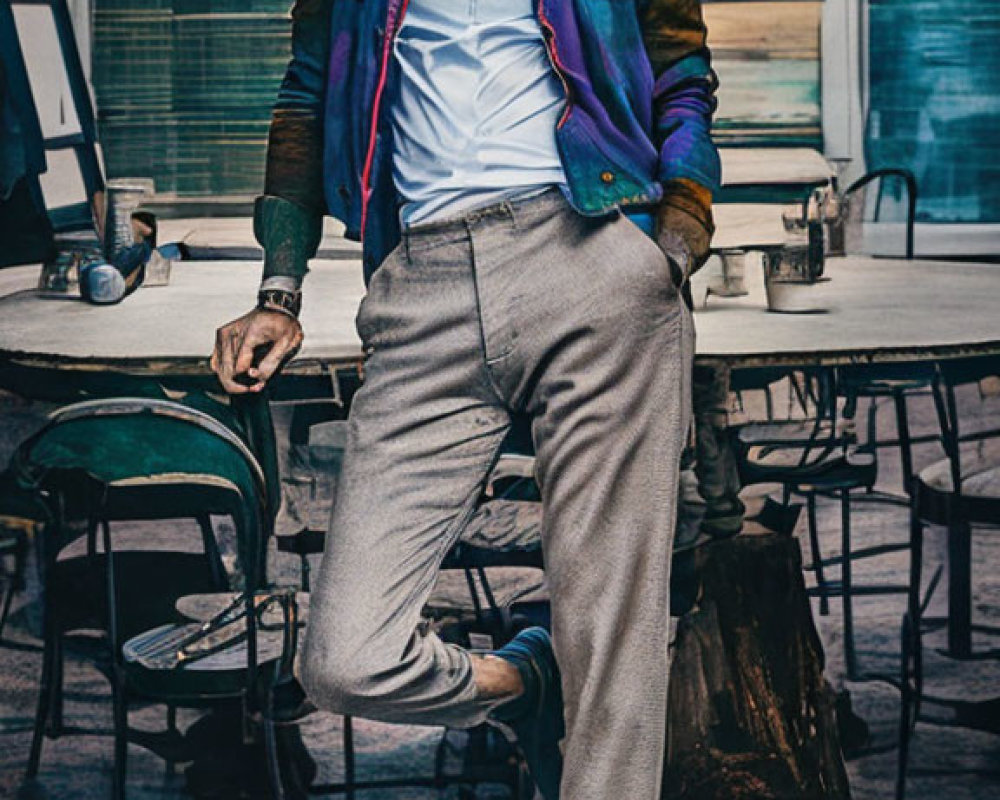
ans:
x=895 y=383
x=956 y=493
x=20 y=515
x=106 y=461
x=813 y=457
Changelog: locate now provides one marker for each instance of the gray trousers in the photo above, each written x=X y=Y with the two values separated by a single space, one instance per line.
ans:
x=524 y=306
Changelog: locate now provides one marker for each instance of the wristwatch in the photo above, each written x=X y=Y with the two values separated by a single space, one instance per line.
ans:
x=280 y=300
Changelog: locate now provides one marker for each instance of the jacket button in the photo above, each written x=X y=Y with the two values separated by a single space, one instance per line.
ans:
x=607 y=177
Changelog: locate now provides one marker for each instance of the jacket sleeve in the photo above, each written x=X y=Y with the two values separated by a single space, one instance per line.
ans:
x=683 y=104
x=288 y=217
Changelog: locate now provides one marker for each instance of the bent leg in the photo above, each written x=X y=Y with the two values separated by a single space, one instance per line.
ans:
x=423 y=433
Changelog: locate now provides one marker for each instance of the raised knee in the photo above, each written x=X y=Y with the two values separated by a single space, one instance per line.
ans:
x=335 y=681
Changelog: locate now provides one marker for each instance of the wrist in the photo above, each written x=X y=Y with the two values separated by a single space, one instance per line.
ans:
x=284 y=282
x=281 y=301
x=678 y=253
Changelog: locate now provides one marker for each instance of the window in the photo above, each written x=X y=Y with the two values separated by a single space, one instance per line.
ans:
x=916 y=84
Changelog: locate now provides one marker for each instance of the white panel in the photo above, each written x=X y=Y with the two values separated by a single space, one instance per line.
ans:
x=62 y=183
x=43 y=58
x=843 y=84
x=835 y=75
x=931 y=240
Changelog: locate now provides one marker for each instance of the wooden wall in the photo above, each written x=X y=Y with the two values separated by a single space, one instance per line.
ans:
x=767 y=57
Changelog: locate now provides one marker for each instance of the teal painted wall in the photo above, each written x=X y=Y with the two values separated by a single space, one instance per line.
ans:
x=935 y=102
x=185 y=88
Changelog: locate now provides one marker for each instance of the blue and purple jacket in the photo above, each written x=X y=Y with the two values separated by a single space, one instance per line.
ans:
x=634 y=132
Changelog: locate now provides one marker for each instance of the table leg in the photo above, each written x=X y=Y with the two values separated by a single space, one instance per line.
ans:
x=718 y=479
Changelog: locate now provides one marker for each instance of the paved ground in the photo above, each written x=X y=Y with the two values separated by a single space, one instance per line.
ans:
x=948 y=760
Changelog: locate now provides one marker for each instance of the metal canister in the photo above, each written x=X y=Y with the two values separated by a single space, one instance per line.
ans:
x=124 y=195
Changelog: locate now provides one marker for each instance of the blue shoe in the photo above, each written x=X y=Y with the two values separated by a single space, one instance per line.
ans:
x=101 y=284
x=536 y=717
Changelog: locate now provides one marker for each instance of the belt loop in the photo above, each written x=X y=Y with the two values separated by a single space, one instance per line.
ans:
x=508 y=208
x=406 y=247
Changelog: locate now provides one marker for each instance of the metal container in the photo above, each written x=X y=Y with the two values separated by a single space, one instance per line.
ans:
x=789 y=281
x=124 y=195
x=733 y=274
x=158 y=270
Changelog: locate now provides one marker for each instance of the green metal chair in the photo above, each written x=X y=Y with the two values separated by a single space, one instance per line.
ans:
x=150 y=458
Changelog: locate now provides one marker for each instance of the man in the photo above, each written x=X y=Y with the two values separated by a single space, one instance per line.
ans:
x=532 y=181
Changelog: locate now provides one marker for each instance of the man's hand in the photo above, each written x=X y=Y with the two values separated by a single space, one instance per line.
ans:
x=251 y=349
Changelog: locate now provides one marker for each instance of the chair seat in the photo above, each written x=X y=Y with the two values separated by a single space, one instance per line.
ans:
x=205 y=606
x=789 y=432
x=505 y=525
x=885 y=387
x=509 y=585
x=821 y=469
x=151 y=581
x=854 y=470
x=980 y=490
x=150 y=669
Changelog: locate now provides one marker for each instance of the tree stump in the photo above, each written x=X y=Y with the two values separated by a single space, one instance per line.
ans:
x=751 y=715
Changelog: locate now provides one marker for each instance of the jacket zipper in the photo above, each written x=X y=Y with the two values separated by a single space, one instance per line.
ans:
x=549 y=34
x=392 y=25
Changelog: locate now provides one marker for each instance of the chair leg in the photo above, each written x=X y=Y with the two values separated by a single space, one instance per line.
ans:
x=304 y=571
x=120 y=709
x=959 y=589
x=42 y=711
x=850 y=656
x=349 y=776
x=7 y=600
x=916 y=566
x=211 y=547
x=817 y=556
x=903 y=436
x=55 y=724
x=274 y=778
x=906 y=720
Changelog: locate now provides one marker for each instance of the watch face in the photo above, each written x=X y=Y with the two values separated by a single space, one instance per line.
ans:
x=280 y=299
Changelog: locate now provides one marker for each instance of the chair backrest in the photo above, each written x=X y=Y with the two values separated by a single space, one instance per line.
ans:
x=140 y=445
x=951 y=374
x=145 y=444
x=909 y=180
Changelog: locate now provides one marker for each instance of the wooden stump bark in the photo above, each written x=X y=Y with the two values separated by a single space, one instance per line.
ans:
x=751 y=715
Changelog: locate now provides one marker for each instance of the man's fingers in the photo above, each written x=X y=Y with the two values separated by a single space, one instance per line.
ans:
x=223 y=359
x=239 y=343
x=244 y=348
x=277 y=356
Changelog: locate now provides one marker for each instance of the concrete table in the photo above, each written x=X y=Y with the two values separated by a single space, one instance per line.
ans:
x=772 y=174
x=879 y=311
